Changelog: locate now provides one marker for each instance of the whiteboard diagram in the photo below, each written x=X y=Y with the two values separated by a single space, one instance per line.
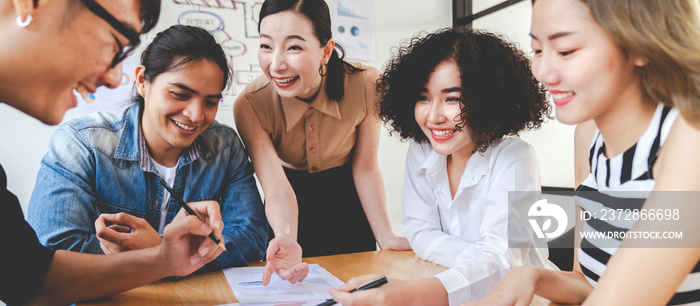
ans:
x=353 y=28
x=234 y=24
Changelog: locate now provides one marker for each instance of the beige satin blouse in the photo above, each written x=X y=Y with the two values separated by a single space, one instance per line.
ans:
x=311 y=136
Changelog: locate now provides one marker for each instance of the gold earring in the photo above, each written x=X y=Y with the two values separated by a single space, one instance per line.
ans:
x=642 y=61
x=320 y=70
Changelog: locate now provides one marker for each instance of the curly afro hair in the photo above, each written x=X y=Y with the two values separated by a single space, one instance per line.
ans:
x=499 y=94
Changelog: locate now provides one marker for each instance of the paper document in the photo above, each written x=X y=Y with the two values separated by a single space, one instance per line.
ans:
x=246 y=284
x=302 y=303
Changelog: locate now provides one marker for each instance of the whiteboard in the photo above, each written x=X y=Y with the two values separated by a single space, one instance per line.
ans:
x=233 y=23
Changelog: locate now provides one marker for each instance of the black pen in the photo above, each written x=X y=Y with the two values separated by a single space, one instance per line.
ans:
x=189 y=210
x=368 y=285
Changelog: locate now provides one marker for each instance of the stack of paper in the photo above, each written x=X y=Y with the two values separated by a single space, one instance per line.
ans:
x=246 y=284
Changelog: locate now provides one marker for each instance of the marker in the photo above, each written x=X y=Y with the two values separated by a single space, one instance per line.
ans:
x=367 y=285
x=189 y=210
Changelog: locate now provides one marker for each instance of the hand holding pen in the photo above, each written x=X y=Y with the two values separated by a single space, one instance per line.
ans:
x=372 y=283
x=189 y=211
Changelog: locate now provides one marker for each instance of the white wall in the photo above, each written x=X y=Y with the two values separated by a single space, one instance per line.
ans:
x=24 y=140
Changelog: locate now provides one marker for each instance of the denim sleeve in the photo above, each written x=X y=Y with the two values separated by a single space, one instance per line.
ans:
x=61 y=207
x=245 y=226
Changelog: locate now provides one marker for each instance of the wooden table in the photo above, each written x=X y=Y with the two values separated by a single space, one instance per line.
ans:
x=212 y=288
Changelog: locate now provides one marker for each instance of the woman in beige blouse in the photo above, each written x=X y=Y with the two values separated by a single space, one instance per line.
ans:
x=312 y=133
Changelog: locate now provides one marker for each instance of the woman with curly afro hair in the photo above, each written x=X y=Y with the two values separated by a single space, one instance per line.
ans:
x=460 y=97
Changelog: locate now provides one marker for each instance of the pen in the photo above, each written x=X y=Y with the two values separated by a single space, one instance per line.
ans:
x=189 y=210
x=367 y=285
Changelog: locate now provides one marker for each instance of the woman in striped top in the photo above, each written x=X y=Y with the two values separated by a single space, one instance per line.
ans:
x=623 y=70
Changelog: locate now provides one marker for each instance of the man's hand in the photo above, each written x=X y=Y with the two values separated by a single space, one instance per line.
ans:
x=185 y=246
x=117 y=238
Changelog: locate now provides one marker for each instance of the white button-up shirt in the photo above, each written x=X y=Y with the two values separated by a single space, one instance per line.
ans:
x=469 y=234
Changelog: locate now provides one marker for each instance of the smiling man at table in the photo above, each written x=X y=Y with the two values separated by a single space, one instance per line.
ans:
x=105 y=168
x=49 y=47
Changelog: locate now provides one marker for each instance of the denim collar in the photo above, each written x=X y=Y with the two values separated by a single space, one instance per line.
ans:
x=132 y=145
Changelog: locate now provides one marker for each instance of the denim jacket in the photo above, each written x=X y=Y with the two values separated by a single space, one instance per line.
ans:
x=99 y=164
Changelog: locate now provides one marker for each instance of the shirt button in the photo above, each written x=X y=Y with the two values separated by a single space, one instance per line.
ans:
x=312 y=128
x=314 y=169
x=312 y=150
x=310 y=108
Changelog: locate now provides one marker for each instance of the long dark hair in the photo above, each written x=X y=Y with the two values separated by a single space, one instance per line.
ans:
x=318 y=13
x=176 y=46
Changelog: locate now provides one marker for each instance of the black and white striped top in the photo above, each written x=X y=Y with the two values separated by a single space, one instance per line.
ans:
x=624 y=182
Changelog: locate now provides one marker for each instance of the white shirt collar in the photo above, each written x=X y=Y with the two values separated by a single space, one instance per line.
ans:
x=478 y=165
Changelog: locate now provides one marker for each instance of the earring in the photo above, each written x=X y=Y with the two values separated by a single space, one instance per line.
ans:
x=642 y=61
x=320 y=70
x=26 y=22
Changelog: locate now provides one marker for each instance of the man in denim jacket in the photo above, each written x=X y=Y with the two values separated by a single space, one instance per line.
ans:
x=99 y=164
x=103 y=168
